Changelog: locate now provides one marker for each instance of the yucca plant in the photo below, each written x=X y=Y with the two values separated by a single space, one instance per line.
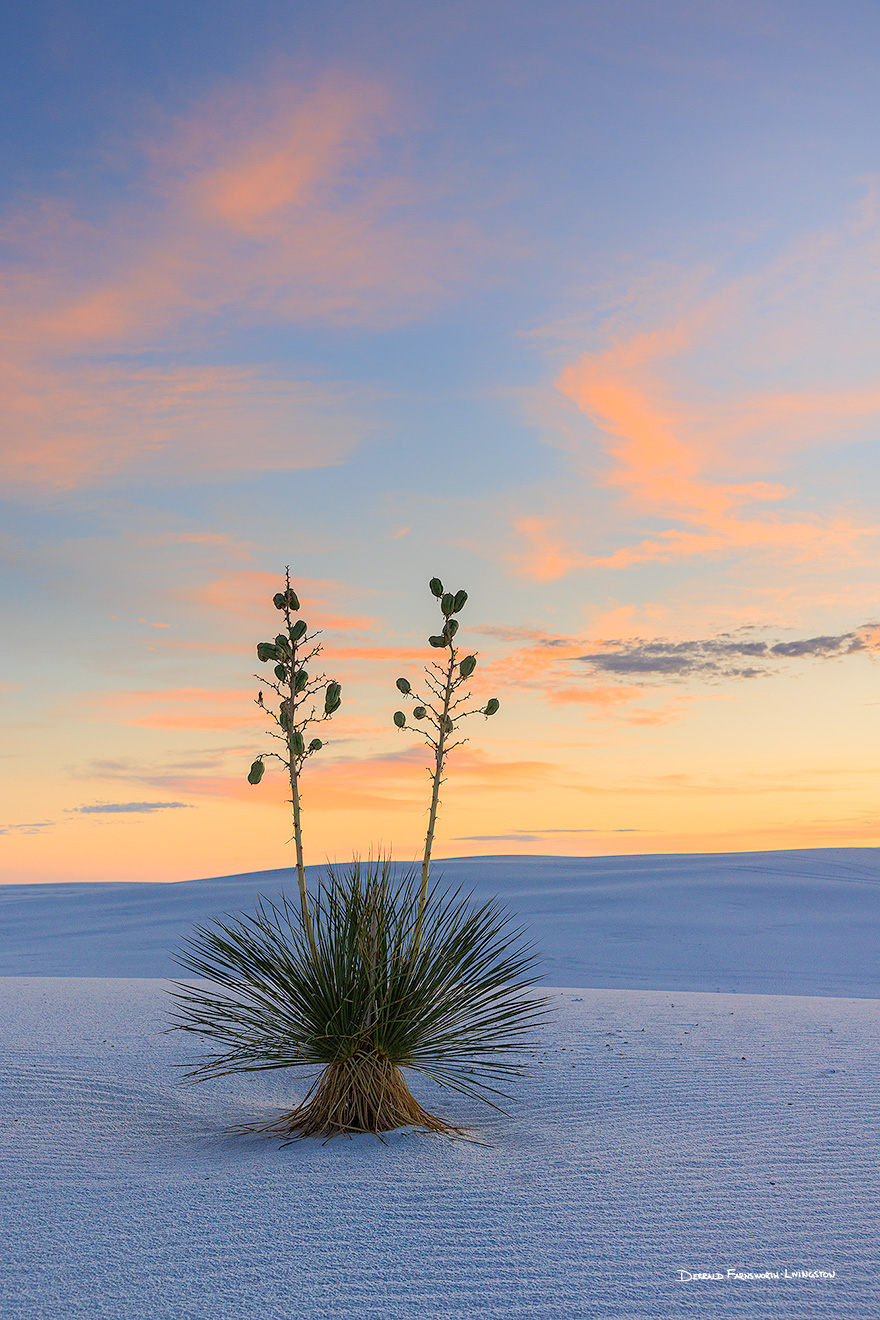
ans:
x=373 y=975
x=291 y=651
x=440 y=714
x=368 y=1006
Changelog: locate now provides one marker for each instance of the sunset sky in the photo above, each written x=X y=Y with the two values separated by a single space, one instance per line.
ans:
x=573 y=305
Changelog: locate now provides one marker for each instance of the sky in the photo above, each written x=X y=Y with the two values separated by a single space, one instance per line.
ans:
x=571 y=305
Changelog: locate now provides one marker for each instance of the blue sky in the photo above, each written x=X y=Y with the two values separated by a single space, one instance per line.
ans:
x=572 y=304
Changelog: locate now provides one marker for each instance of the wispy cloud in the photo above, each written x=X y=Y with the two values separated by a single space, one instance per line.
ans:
x=206 y=778
x=727 y=656
x=267 y=204
x=698 y=456
x=246 y=593
x=181 y=708
x=118 y=808
x=545 y=665
x=67 y=424
x=614 y=676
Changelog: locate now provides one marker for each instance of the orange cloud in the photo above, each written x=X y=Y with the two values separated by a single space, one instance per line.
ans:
x=544 y=665
x=247 y=594
x=183 y=708
x=691 y=443
x=400 y=781
x=275 y=201
x=266 y=205
x=63 y=425
x=659 y=462
x=543 y=557
x=396 y=782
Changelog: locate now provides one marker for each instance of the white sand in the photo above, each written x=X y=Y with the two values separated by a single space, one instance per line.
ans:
x=644 y=1144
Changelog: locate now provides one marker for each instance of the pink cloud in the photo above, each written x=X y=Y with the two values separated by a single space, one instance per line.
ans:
x=660 y=462
x=278 y=202
x=266 y=205
x=247 y=594
x=183 y=708
x=541 y=555
x=702 y=414
x=544 y=665
x=65 y=425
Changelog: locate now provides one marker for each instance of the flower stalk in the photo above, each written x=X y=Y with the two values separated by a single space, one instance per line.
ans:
x=440 y=714
x=297 y=689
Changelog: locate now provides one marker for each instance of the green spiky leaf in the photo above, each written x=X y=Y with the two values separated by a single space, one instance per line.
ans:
x=455 y=1009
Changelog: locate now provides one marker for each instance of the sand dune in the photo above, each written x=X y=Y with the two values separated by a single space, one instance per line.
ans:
x=804 y=922
x=664 y=1128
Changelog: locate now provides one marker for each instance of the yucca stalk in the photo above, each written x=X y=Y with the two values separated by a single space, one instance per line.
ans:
x=364 y=1007
x=441 y=715
x=292 y=651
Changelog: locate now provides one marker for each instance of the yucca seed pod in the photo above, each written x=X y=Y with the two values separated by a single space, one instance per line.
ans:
x=447 y=603
x=437 y=641
x=467 y=666
x=301 y=679
x=403 y=685
x=284 y=715
x=297 y=743
x=283 y=644
x=292 y=600
x=298 y=630
x=400 y=719
x=436 y=586
x=332 y=698
x=279 y=600
x=280 y=673
x=448 y=725
x=459 y=602
x=419 y=712
x=315 y=745
x=256 y=772
x=491 y=706
x=268 y=651
x=450 y=629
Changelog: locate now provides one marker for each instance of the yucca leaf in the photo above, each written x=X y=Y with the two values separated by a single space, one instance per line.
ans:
x=451 y=1007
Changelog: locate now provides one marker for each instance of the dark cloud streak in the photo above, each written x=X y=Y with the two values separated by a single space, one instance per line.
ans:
x=120 y=807
x=716 y=657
